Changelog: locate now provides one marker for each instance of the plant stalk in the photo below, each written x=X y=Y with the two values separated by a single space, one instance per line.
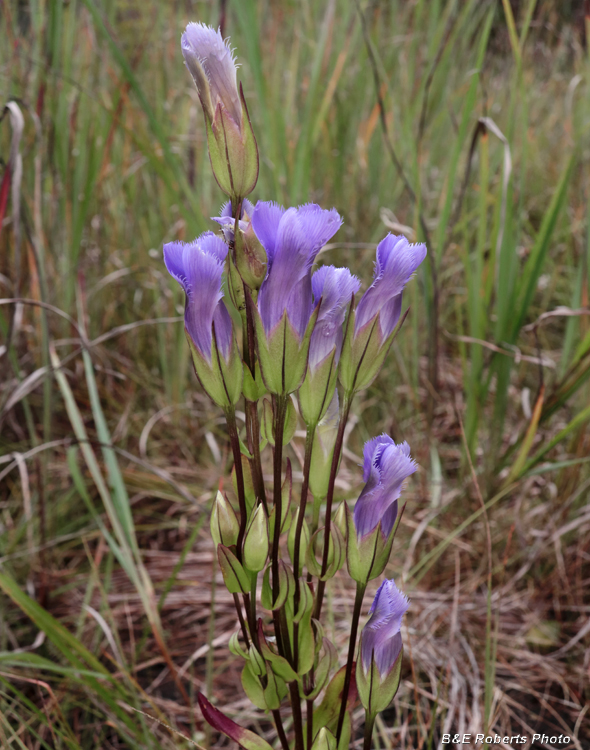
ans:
x=234 y=438
x=369 y=724
x=346 y=404
x=358 y=603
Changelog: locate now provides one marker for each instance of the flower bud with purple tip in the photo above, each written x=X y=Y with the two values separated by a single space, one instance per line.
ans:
x=198 y=268
x=371 y=528
x=333 y=289
x=378 y=314
x=232 y=146
x=380 y=649
x=285 y=315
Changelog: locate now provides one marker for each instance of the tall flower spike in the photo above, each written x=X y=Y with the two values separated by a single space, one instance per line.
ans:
x=371 y=528
x=380 y=649
x=378 y=313
x=334 y=288
x=198 y=268
x=292 y=240
x=232 y=145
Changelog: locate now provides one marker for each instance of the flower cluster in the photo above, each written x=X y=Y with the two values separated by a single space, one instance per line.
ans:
x=303 y=331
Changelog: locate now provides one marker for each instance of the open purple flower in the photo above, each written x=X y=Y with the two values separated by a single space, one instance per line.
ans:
x=381 y=637
x=292 y=240
x=335 y=288
x=396 y=261
x=386 y=467
x=198 y=266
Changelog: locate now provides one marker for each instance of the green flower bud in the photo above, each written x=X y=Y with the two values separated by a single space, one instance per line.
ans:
x=251 y=260
x=224 y=523
x=256 y=541
x=325 y=740
x=304 y=542
x=235 y=577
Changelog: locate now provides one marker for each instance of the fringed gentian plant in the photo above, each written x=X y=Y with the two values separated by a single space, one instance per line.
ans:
x=302 y=332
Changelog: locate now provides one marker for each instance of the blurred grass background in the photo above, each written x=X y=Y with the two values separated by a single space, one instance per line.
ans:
x=464 y=124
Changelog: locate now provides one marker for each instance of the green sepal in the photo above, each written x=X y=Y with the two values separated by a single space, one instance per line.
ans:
x=340 y=519
x=221 y=380
x=257 y=663
x=322 y=452
x=368 y=556
x=306 y=602
x=324 y=740
x=249 y=493
x=235 y=285
x=303 y=545
x=375 y=692
x=267 y=422
x=286 y=496
x=282 y=356
x=235 y=577
x=275 y=689
x=224 y=524
x=251 y=159
x=253 y=387
x=252 y=687
x=317 y=390
x=307 y=643
x=286 y=587
x=318 y=634
x=336 y=554
x=256 y=543
x=280 y=666
x=322 y=670
x=232 y=151
x=235 y=647
x=363 y=355
x=328 y=711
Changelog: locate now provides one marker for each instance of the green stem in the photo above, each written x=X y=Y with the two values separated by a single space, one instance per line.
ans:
x=358 y=603
x=369 y=724
x=302 y=503
x=234 y=438
x=280 y=409
x=346 y=404
x=241 y=619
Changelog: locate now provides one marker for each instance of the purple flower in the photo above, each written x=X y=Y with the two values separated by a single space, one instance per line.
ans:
x=335 y=288
x=386 y=466
x=232 y=146
x=198 y=266
x=381 y=637
x=292 y=240
x=227 y=221
x=212 y=65
x=396 y=261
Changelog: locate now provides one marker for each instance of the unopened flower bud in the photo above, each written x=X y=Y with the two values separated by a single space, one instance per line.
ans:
x=256 y=541
x=325 y=740
x=224 y=524
x=251 y=260
x=232 y=146
x=380 y=649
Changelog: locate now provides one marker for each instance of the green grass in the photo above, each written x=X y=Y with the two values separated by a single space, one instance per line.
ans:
x=481 y=149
